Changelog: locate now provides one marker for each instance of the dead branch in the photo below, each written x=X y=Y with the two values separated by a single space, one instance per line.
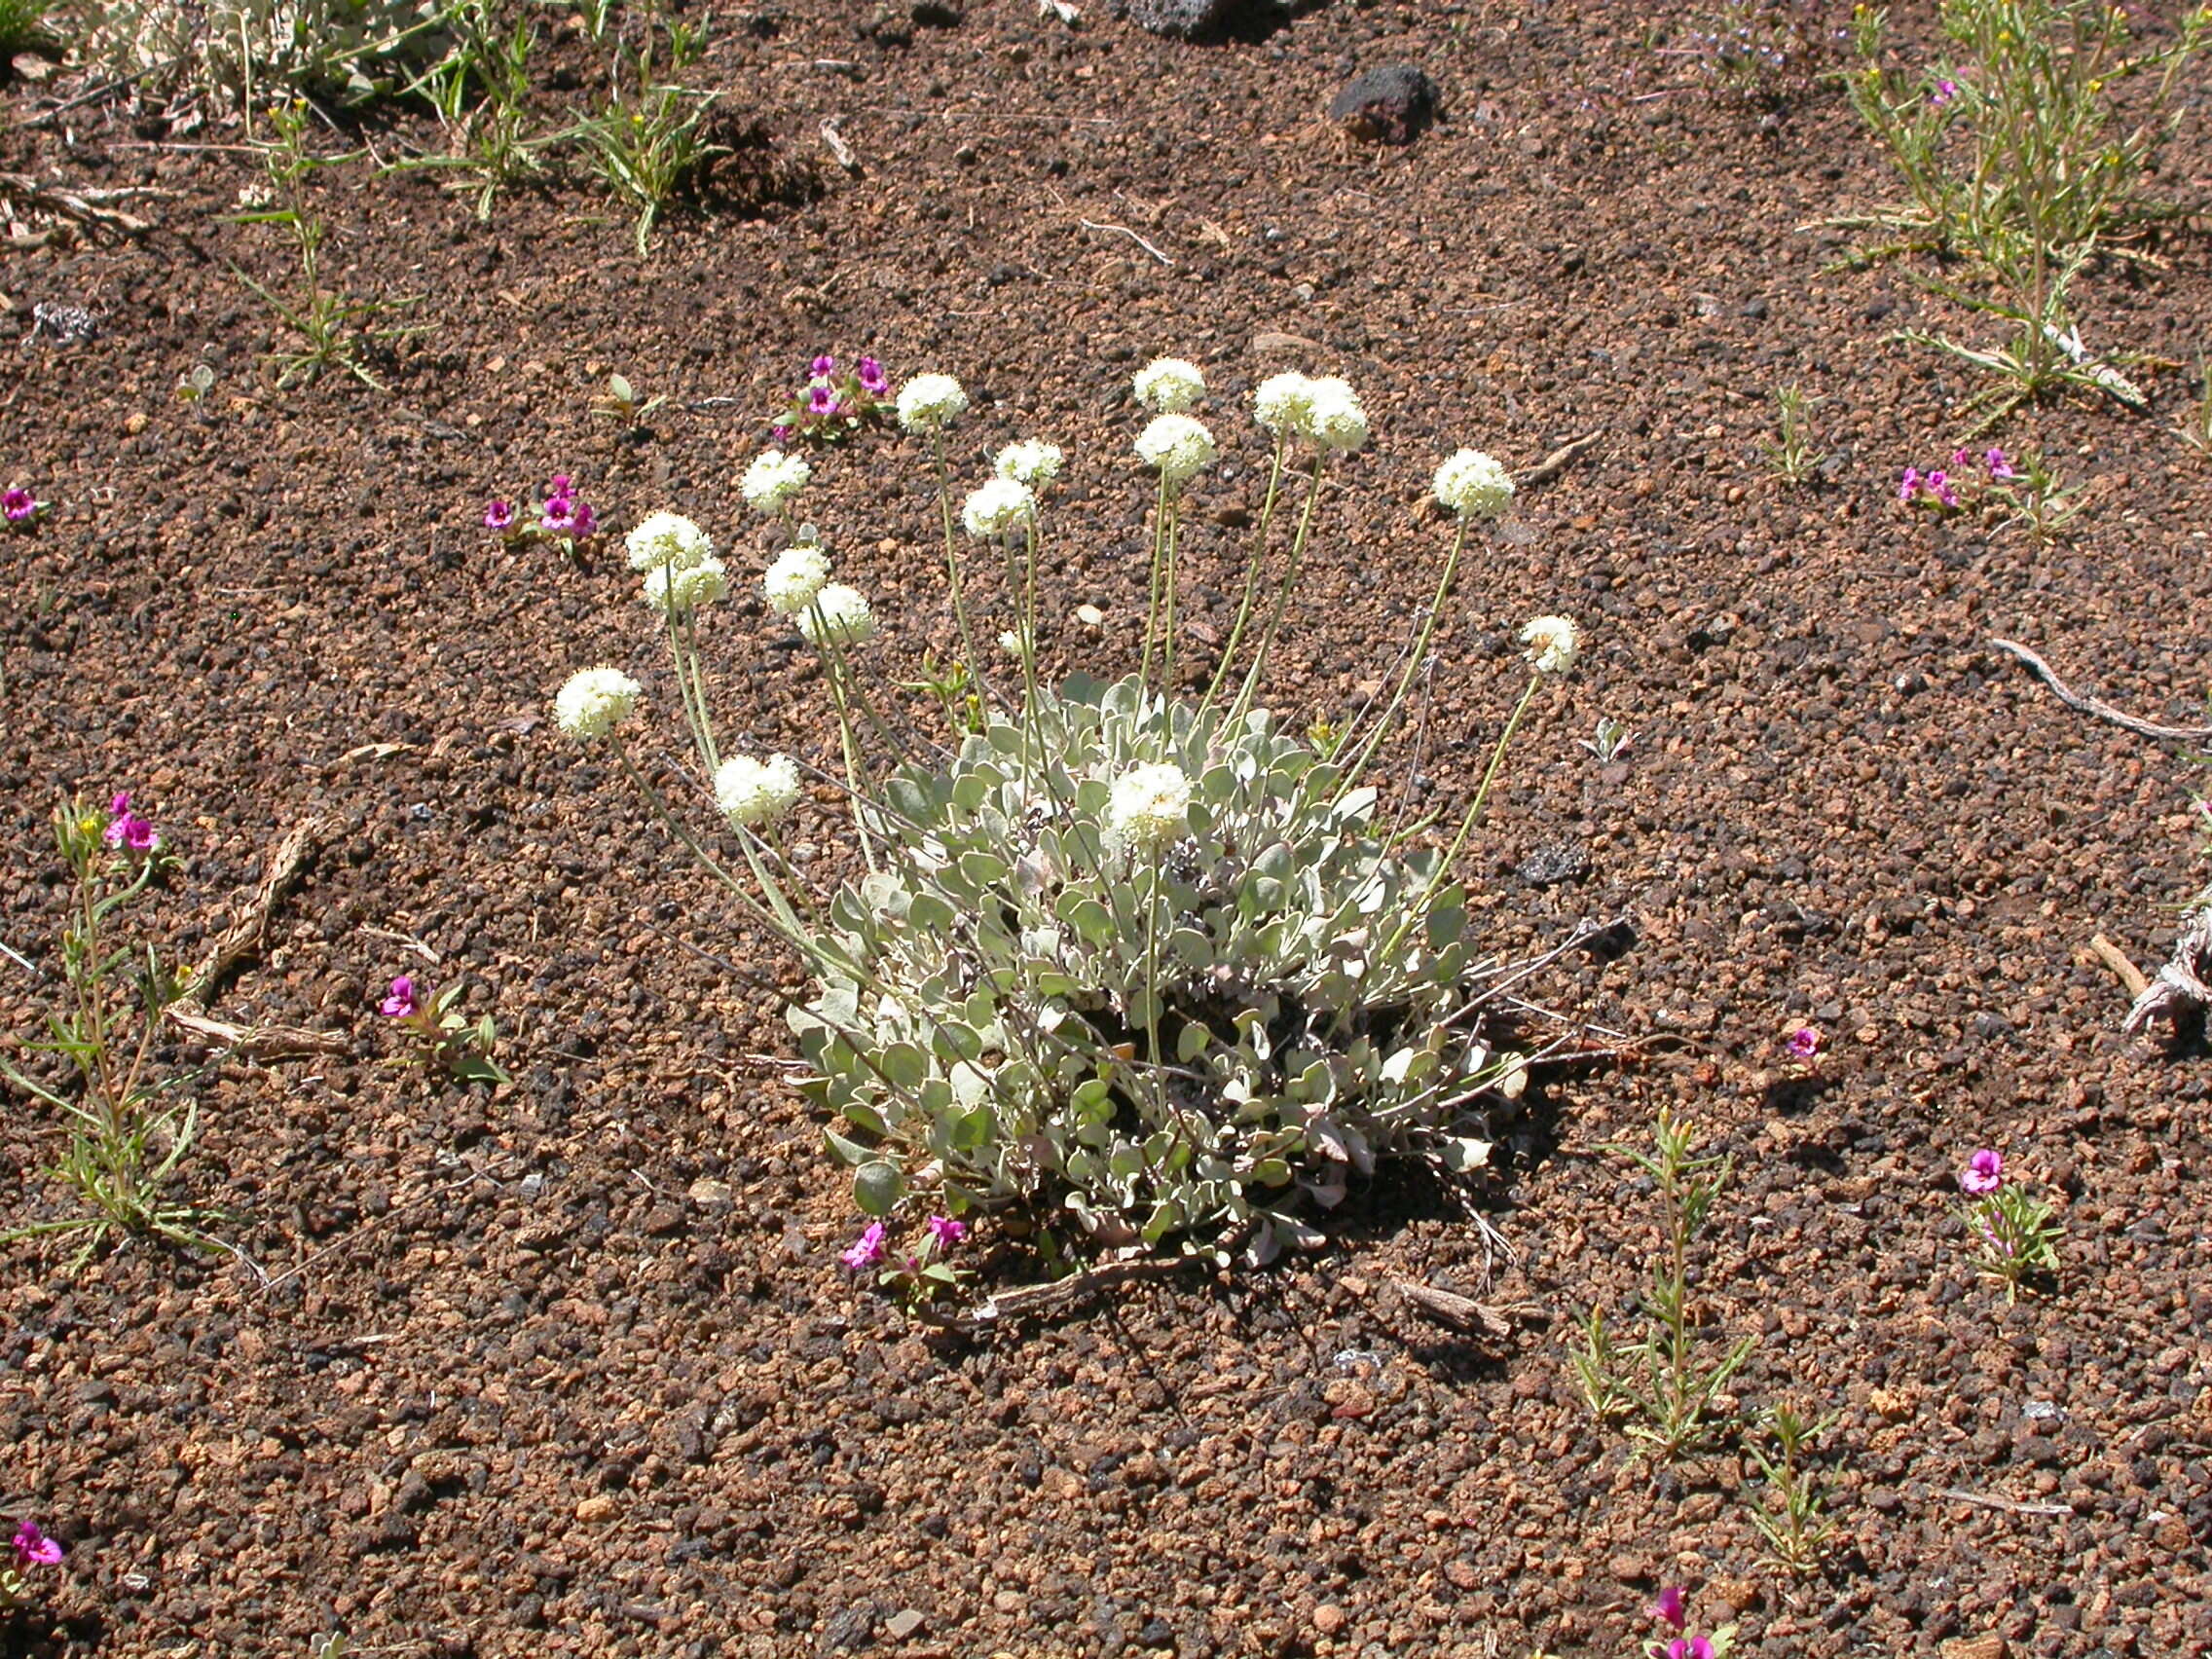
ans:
x=2102 y=711
x=1461 y=1313
x=245 y=936
x=2178 y=991
x=2113 y=957
x=87 y=206
x=257 y=1042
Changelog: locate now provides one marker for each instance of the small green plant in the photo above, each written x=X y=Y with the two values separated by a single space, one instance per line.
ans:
x=333 y=328
x=443 y=1039
x=622 y=405
x=1763 y=56
x=1790 y=457
x=193 y=388
x=1130 y=965
x=2012 y=162
x=2014 y=1231
x=917 y=1276
x=1610 y=741
x=1794 y=1522
x=834 y=404
x=1661 y=1382
x=2002 y=490
x=2194 y=427
x=479 y=91
x=25 y=26
x=649 y=142
x=124 y=1144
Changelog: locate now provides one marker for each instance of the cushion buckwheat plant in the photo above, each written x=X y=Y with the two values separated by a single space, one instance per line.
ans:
x=1128 y=965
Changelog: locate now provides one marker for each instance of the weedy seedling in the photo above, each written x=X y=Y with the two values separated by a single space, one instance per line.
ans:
x=443 y=1039
x=622 y=405
x=2195 y=428
x=1610 y=741
x=489 y=138
x=125 y=1143
x=2014 y=1231
x=1794 y=1522
x=1661 y=1382
x=1790 y=457
x=649 y=142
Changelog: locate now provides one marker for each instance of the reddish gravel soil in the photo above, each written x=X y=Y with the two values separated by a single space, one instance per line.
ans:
x=571 y=1367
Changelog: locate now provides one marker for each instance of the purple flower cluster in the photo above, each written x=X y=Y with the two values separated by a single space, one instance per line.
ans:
x=1941 y=484
x=125 y=831
x=565 y=513
x=871 y=1246
x=1983 y=1174
x=833 y=404
x=403 y=1003
x=33 y=1548
x=19 y=506
x=1671 y=1610
x=1944 y=93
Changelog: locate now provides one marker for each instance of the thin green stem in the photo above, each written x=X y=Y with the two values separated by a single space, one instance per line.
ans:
x=1162 y=506
x=952 y=561
x=1252 y=570
x=1267 y=635
x=1413 y=666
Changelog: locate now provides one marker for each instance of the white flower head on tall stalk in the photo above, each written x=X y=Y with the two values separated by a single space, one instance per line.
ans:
x=997 y=508
x=840 y=613
x=930 y=403
x=678 y=590
x=1031 y=461
x=1149 y=807
x=594 y=701
x=1473 y=485
x=773 y=479
x=1334 y=419
x=751 y=793
x=1169 y=385
x=795 y=575
x=1179 y=446
x=1554 y=643
x=667 y=538
x=1282 y=402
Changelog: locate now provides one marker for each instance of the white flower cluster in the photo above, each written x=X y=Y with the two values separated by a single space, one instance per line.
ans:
x=1149 y=807
x=1169 y=385
x=594 y=701
x=1031 y=461
x=773 y=479
x=1325 y=412
x=753 y=793
x=1179 y=446
x=930 y=403
x=1554 y=643
x=997 y=508
x=678 y=590
x=840 y=613
x=1473 y=485
x=795 y=575
x=668 y=538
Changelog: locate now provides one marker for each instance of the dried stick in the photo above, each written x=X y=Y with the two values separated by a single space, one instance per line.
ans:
x=258 y=1042
x=245 y=935
x=2101 y=710
x=2112 y=956
x=2178 y=991
x=1461 y=1313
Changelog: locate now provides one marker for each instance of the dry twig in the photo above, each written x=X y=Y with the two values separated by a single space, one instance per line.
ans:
x=2179 y=992
x=2113 y=957
x=258 y=1042
x=1123 y=230
x=1461 y=1313
x=87 y=206
x=2103 y=711
x=2010 y=1505
x=1560 y=460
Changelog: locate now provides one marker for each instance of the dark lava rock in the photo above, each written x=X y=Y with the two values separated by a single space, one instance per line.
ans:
x=1193 y=20
x=1555 y=861
x=851 y=1627
x=1388 y=105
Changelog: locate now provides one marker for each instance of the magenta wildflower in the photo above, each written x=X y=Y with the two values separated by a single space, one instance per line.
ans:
x=780 y=434
x=1689 y=1647
x=19 y=505
x=585 y=521
x=1944 y=93
x=1909 y=485
x=498 y=515
x=1938 y=484
x=1671 y=1607
x=126 y=830
x=1983 y=1174
x=822 y=366
x=947 y=1232
x=2000 y=466
x=118 y=803
x=402 y=1003
x=821 y=400
x=33 y=1548
x=1804 y=1043
x=873 y=380
x=566 y=513
x=867 y=1250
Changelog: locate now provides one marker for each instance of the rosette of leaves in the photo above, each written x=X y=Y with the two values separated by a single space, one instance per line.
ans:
x=1316 y=1001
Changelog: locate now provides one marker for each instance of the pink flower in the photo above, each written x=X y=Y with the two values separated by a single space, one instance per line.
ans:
x=402 y=1003
x=500 y=515
x=821 y=400
x=559 y=486
x=1944 y=93
x=780 y=433
x=1938 y=484
x=33 y=1548
x=18 y=505
x=822 y=366
x=1983 y=1174
x=118 y=803
x=1689 y=1647
x=873 y=380
x=1669 y=1608
x=566 y=515
x=1910 y=483
x=1804 y=1043
x=867 y=1250
x=947 y=1232
x=126 y=830
x=2000 y=468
